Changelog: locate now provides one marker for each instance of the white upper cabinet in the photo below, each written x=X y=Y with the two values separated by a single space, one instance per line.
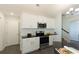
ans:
x=30 y=21
x=50 y=23
x=41 y=19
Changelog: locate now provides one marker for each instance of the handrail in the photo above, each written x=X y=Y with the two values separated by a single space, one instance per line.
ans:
x=65 y=30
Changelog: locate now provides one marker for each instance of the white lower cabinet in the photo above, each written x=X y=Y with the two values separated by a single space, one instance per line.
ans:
x=50 y=40
x=30 y=44
x=57 y=38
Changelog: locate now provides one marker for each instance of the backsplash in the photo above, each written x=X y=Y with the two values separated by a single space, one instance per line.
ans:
x=25 y=31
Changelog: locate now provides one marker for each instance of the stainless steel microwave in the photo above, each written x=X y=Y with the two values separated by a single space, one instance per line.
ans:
x=42 y=25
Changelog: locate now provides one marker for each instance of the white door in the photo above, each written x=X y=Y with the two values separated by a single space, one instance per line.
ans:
x=12 y=32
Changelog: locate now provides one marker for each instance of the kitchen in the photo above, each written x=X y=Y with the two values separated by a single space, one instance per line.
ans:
x=43 y=32
x=39 y=29
x=31 y=27
x=38 y=34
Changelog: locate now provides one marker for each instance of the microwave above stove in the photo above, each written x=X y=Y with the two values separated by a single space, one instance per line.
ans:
x=42 y=25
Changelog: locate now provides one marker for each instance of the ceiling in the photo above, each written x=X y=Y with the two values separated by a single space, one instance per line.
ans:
x=49 y=10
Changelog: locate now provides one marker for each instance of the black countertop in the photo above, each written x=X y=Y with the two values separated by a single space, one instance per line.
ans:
x=23 y=37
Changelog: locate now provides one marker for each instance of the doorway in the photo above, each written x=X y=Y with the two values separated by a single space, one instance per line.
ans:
x=12 y=31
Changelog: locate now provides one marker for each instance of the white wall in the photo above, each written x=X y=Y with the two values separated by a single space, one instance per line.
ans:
x=58 y=26
x=5 y=38
x=67 y=19
x=66 y=25
x=11 y=30
x=74 y=31
x=2 y=23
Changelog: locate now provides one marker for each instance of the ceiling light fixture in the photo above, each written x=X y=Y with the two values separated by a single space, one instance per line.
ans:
x=77 y=9
x=71 y=9
x=12 y=13
x=67 y=12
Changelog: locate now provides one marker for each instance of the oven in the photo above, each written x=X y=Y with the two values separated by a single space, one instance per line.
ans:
x=44 y=39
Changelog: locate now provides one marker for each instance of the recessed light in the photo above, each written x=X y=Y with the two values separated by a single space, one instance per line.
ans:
x=71 y=9
x=77 y=9
x=67 y=12
x=11 y=13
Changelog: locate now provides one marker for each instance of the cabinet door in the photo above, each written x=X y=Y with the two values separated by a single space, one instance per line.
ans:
x=57 y=43
x=24 y=22
x=50 y=23
x=30 y=44
x=28 y=21
x=50 y=40
x=41 y=19
x=33 y=23
x=57 y=38
x=29 y=24
x=35 y=43
x=26 y=45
